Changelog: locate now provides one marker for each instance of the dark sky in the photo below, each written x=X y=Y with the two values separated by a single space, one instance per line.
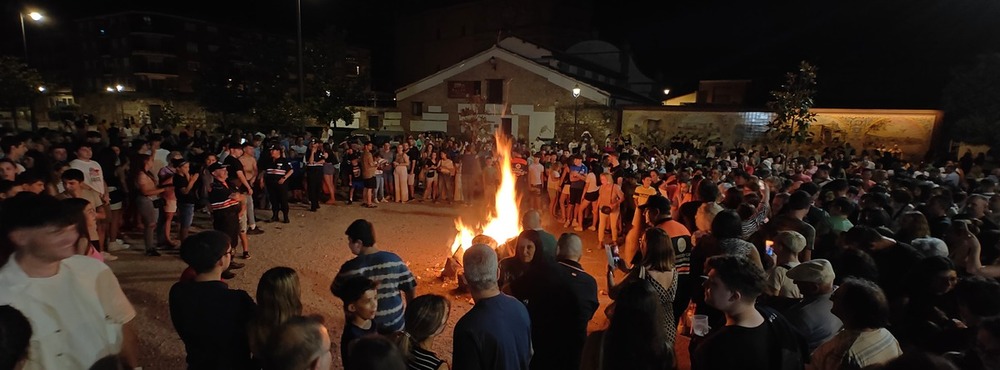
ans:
x=871 y=53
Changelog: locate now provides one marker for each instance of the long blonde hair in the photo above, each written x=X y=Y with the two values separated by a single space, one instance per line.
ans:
x=278 y=299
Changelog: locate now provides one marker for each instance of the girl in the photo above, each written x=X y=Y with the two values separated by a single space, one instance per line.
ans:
x=147 y=193
x=278 y=299
x=425 y=318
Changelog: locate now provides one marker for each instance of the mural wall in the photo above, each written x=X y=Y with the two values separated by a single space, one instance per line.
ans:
x=909 y=131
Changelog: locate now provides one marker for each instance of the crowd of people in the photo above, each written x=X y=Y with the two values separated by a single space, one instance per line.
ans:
x=764 y=258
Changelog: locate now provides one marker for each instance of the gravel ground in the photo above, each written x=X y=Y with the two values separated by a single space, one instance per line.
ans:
x=314 y=244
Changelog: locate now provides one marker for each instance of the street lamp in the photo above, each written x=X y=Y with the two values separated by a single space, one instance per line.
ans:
x=35 y=16
x=298 y=13
x=576 y=94
x=666 y=91
x=118 y=89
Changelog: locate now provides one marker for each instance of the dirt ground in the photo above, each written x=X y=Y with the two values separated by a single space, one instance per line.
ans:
x=314 y=245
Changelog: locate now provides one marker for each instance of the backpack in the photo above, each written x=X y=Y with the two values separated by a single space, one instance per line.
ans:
x=789 y=350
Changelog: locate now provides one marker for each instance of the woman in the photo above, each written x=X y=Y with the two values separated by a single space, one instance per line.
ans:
x=635 y=339
x=8 y=169
x=914 y=230
x=565 y=216
x=330 y=169
x=446 y=169
x=399 y=164
x=431 y=176
x=656 y=268
x=167 y=212
x=85 y=216
x=111 y=159
x=555 y=172
x=184 y=190
x=278 y=299
x=590 y=196
x=315 y=160
x=426 y=317
x=514 y=267
x=932 y=309
x=864 y=340
x=147 y=193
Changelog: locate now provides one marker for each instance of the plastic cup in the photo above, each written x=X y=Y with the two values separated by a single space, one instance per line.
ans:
x=699 y=325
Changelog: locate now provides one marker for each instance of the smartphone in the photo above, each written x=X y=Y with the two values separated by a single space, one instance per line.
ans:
x=769 y=247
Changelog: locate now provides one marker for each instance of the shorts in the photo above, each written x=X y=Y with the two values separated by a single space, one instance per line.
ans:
x=537 y=190
x=171 y=206
x=329 y=169
x=358 y=184
x=553 y=193
x=565 y=189
x=371 y=183
x=574 y=195
x=592 y=196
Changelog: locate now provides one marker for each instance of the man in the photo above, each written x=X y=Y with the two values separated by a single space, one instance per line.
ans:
x=388 y=153
x=59 y=154
x=496 y=333
x=535 y=175
x=315 y=160
x=242 y=173
x=657 y=212
x=578 y=181
x=791 y=218
x=226 y=209
x=396 y=281
x=812 y=315
x=787 y=246
x=750 y=339
x=532 y=220
x=94 y=179
x=72 y=180
x=210 y=318
x=582 y=289
x=14 y=148
x=472 y=173
x=368 y=165
x=78 y=311
x=159 y=154
x=276 y=176
x=414 y=154
x=299 y=343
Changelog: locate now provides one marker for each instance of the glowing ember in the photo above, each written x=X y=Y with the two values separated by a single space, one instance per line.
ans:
x=502 y=223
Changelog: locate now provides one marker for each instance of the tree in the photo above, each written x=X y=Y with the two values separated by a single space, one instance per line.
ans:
x=473 y=122
x=972 y=101
x=791 y=105
x=170 y=118
x=331 y=85
x=20 y=85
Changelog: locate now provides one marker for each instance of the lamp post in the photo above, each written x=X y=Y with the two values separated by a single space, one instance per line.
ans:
x=35 y=16
x=298 y=13
x=576 y=95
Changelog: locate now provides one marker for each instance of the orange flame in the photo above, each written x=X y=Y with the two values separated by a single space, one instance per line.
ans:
x=503 y=222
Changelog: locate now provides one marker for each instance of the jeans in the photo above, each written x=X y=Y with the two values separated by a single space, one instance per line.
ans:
x=380 y=187
x=251 y=221
x=185 y=214
x=150 y=216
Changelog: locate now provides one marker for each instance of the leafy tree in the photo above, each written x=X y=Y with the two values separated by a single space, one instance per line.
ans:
x=473 y=122
x=791 y=105
x=972 y=101
x=19 y=85
x=170 y=118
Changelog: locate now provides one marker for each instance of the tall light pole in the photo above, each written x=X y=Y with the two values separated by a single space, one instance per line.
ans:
x=301 y=76
x=35 y=16
x=118 y=89
x=576 y=95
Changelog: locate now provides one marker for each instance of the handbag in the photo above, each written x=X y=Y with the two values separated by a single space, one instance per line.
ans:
x=607 y=209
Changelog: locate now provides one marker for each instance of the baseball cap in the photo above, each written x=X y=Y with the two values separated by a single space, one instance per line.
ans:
x=818 y=271
x=216 y=166
x=792 y=240
x=202 y=250
x=658 y=202
x=275 y=147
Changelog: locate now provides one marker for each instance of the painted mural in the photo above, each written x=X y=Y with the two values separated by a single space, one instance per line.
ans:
x=908 y=131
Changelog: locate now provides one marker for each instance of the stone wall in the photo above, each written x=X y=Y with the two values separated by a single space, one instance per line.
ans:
x=114 y=107
x=911 y=131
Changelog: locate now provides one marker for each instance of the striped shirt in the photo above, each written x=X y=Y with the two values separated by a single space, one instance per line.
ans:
x=422 y=359
x=868 y=348
x=219 y=196
x=392 y=275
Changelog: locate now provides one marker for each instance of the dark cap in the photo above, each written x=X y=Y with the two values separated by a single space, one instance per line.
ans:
x=275 y=147
x=201 y=251
x=216 y=166
x=657 y=202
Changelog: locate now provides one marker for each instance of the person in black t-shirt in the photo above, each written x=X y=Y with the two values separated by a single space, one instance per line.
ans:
x=210 y=318
x=750 y=338
x=276 y=175
x=187 y=195
x=315 y=160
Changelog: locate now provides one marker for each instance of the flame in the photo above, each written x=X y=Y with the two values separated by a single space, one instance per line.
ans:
x=502 y=223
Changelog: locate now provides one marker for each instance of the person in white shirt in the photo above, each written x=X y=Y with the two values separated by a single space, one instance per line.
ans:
x=159 y=154
x=92 y=172
x=76 y=307
x=535 y=171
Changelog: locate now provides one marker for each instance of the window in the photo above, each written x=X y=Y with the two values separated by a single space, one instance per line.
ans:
x=192 y=47
x=417 y=108
x=494 y=92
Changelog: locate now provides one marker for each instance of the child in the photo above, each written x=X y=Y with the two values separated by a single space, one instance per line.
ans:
x=355 y=179
x=359 y=294
x=72 y=180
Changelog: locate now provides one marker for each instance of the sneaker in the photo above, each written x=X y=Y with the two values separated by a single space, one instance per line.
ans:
x=117 y=246
x=255 y=231
x=246 y=255
x=235 y=265
x=108 y=256
x=152 y=253
x=228 y=275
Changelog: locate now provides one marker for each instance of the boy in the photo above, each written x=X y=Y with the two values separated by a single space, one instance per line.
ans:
x=73 y=180
x=354 y=178
x=360 y=304
x=386 y=268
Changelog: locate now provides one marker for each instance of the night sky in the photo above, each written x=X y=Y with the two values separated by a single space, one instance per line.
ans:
x=871 y=54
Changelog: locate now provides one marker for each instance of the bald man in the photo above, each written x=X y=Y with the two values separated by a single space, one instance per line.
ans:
x=532 y=220
x=583 y=291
